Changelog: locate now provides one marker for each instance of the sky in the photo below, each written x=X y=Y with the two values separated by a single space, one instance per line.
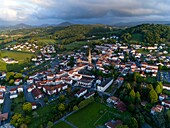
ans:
x=36 y=12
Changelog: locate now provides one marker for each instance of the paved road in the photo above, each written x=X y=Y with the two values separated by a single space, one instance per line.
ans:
x=7 y=106
x=29 y=97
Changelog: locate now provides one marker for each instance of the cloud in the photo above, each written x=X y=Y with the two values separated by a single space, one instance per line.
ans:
x=83 y=10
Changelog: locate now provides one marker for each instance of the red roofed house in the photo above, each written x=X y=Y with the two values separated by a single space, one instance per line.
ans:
x=18 y=81
x=156 y=109
x=37 y=93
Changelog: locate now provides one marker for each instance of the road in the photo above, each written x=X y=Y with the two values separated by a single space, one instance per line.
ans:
x=7 y=106
x=29 y=97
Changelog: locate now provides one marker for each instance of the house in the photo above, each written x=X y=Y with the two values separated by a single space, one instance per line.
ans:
x=113 y=100
x=50 y=90
x=18 y=81
x=37 y=93
x=166 y=103
x=121 y=106
x=113 y=124
x=67 y=80
x=89 y=95
x=1 y=98
x=85 y=82
x=60 y=74
x=166 y=86
x=81 y=92
x=20 y=89
x=34 y=106
x=31 y=87
x=13 y=93
x=30 y=81
x=162 y=97
x=105 y=83
x=3 y=117
x=2 y=88
x=50 y=76
x=156 y=109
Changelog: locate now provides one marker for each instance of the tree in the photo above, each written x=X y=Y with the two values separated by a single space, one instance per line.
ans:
x=138 y=99
x=11 y=82
x=50 y=124
x=132 y=96
x=62 y=98
x=61 y=107
x=122 y=126
x=168 y=115
x=27 y=119
x=158 y=89
x=23 y=126
x=132 y=123
x=17 y=119
x=153 y=96
x=75 y=108
x=27 y=107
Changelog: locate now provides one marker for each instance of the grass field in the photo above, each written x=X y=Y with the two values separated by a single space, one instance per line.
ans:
x=93 y=115
x=44 y=115
x=22 y=57
x=62 y=125
x=46 y=41
x=75 y=45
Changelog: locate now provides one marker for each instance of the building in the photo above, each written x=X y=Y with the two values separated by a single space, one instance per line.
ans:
x=18 y=81
x=113 y=100
x=104 y=84
x=81 y=92
x=89 y=95
x=37 y=93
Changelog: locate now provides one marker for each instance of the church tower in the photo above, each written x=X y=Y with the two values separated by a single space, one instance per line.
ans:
x=89 y=57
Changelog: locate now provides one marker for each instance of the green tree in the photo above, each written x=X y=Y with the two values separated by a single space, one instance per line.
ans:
x=153 y=96
x=27 y=107
x=75 y=108
x=132 y=123
x=11 y=82
x=23 y=126
x=138 y=99
x=50 y=124
x=17 y=119
x=62 y=98
x=122 y=126
x=132 y=96
x=61 y=107
x=27 y=119
x=168 y=115
x=158 y=89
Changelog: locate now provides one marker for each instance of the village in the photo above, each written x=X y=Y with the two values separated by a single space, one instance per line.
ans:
x=86 y=74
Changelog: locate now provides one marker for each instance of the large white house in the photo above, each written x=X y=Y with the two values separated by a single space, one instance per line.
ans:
x=104 y=84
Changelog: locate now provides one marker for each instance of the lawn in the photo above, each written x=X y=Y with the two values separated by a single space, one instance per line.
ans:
x=93 y=115
x=62 y=125
x=46 y=41
x=22 y=57
x=2 y=66
x=75 y=45
x=45 y=114
x=151 y=80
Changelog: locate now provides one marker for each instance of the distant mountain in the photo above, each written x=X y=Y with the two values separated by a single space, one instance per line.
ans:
x=65 y=24
x=131 y=24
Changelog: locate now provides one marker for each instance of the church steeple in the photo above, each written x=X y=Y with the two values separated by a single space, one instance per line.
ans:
x=89 y=57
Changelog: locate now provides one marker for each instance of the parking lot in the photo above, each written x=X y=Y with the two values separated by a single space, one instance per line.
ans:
x=164 y=76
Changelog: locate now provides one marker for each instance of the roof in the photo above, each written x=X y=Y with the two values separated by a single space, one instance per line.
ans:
x=3 y=116
x=113 y=124
x=105 y=82
x=36 y=92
